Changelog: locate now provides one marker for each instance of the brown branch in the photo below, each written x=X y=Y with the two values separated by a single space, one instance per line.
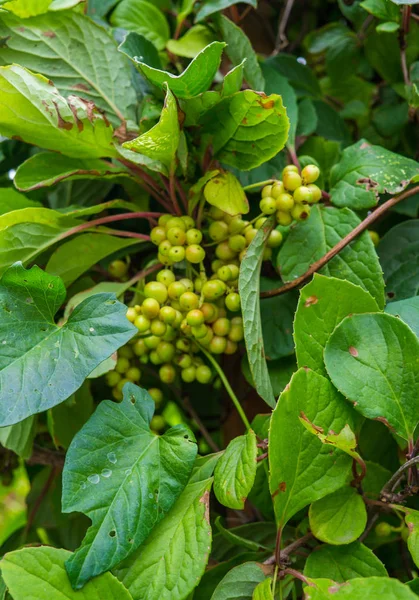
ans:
x=369 y=220
x=109 y=219
x=290 y=549
x=281 y=39
x=143 y=274
x=394 y=479
x=173 y=196
x=46 y=457
x=404 y=30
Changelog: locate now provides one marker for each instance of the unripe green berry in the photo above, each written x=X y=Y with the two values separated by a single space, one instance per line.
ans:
x=231 y=347
x=188 y=283
x=150 y=308
x=236 y=225
x=300 y=212
x=216 y=213
x=166 y=277
x=285 y=202
x=277 y=189
x=164 y=260
x=221 y=326
x=189 y=301
x=266 y=191
x=175 y=222
x=267 y=253
x=140 y=348
x=195 y=317
x=156 y=290
x=131 y=314
x=126 y=351
x=233 y=301
x=183 y=345
x=184 y=361
x=163 y=220
x=223 y=251
x=188 y=375
x=167 y=373
x=157 y=395
x=142 y=323
x=303 y=194
x=152 y=341
x=193 y=236
x=217 y=345
x=291 y=180
x=383 y=529
x=374 y=237
x=260 y=222
x=218 y=230
x=210 y=312
x=120 y=385
x=157 y=423
x=177 y=253
x=203 y=374
x=144 y=359
x=176 y=236
x=236 y=333
x=122 y=365
x=158 y=235
x=310 y=173
x=176 y=289
x=155 y=358
x=213 y=289
x=189 y=222
x=112 y=378
x=133 y=374
x=250 y=235
x=237 y=243
x=274 y=239
x=164 y=248
x=157 y=327
x=283 y=218
x=267 y=206
x=118 y=268
x=289 y=169
x=195 y=254
x=316 y=192
x=166 y=351
x=224 y=273
x=167 y=315
x=208 y=337
x=179 y=319
x=199 y=331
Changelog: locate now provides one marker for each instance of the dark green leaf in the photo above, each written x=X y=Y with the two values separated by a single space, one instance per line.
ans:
x=278 y=84
x=139 y=49
x=209 y=7
x=344 y=562
x=66 y=419
x=302 y=79
x=19 y=437
x=330 y=124
x=234 y=539
x=240 y=582
x=307 y=118
x=407 y=310
x=143 y=18
x=277 y=315
x=399 y=257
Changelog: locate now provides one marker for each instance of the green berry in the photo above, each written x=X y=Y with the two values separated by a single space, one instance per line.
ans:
x=167 y=315
x=284 y=202
x=260 y=222
x=223 y=251
x=289 y=169
x=310 y=173
x=157 y=327
x=170 y=334
x=183 y=345
x=142 y=323
x=189 y=301
x=233 y=301
x=156 y=290
x=250 y=235
x=118 y=269
x=155 y=358
x=164 y=248
x=166 y=277
x=193 y=236
x=203 y=374
x=152 y=341
x=216 y=213
x=195 y=254
x=176 y=236
x=224 y=273
x=133 y=374
x=140 y=348
x=213 y=289
x=195 y=317
x=300 y=212
x=131 y=314
x=166 y=351
x=176 y=289
x=158 y=423
x=122 y=365
x=163 y=220
x=188 y=283
x=167 y=373
x=274 y=239
x=217 y=345
x=189 y=222
x=221 y=326
x=175 y=222
x=157 y=395
x=177 y=253
x=112 y=378
x=374 y=237
x=126 y=351
x=158 y=235
x=218 y=230
x=267 y=205
x=277 y=189
x=236 y=332
x=383 y=529
x=303 y=194
x=266 y=191
x=316 y=192
x=231 y=347
x=188 y=375
x=199 y=331
x=184 y=361
x=150 y=308
x=236 y=225
x=283 y=218
x=267 y=253
x=291 y=180
x=237 y=243
x=210 y=312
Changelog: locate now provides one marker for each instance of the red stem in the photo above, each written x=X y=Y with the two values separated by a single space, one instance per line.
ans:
x=110 y=219
x=142 y=274
x=173 y=193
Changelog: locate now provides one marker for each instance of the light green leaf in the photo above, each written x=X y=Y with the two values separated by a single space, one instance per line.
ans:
x=236 y=471
x=365 y=171
x=192 y=43
x=249 y=285
x=27 y=8
x=66 y=419
x=408 y=311
x=388 y=27
x=345 y=440
x=263 y=591
x=355 y=589
x=136 y=47
x=311 y=239
x=238 y=48
x=323 y=303
x=240 y=582
x=196 y=78
x=204 y=466
x=41 y=570
x=12 y=200
x=386 y=11
x=63 y=4
x=161 y=142
x=311 y=470
x=111 y=287
x=338 y=518
x=403 y=2
x=373 y=360
x=143 y=18
x=90 y=248
x=171 y=563
x=209 y=7
x=34 y=344
x=19 y=437
x=412 y=521
x=341 y=563
x=63 y=46
x=224 y=191
x=233 y=80
x=399 y=256
x=124 y=477
x=33 y=109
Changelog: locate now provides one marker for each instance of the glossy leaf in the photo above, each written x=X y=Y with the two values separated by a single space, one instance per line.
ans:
x=407 y=310
x=63 y=46
x=171 y=563
x=136 y=47
x=311 y=470
x=192 y=43
x=41 y=570
x=34 y=110
x=196 y=78
x=34 y=344
x=236 y=471
x=341 y=563
x=125 y=478
x=323 y=303
x=372 y=359
x=12 y=200
x=209 y=7
x=224 y=191
x=19 y=437
x=368 y=587
x=249 y=282
x=143 y=18
x=263 y=591
x=240 y=582
x=311 y=239
x=365 y=171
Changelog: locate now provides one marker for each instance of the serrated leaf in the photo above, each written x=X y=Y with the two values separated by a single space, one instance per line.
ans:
x=19 y=437
x=246 y=129
x=307 y=118
x=192 y=43
x=263 y=591
x=12 y=200
x=238 y=48
x=236 y=471
x=124 y=477
x=341 y=563
x=224 y=191
x=32 y=343
x=399 y=256
x=45 y=169
x=408 y=311
x=196 y=78
x=368 y=587
x=339 y=518
x=143 y=18
x=41 y=570
x=411 y=518
x=138 y=48
x=33 y=109
x=249 y=285
x=323 y=303
x=240 y=582
x=311 y=470
x=160 y=143
x=311 y=239
x=182 y=538
x=64 y=46
x=373 y=360
x=365 y=171
x=90 y=248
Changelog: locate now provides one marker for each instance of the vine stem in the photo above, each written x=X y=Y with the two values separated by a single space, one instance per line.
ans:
x=172 y=189
x=227 y=386
x=396 y=476
x=369 y=220
x=407 y=11
x=142 y=274
x=111 y=219
x=259 y=184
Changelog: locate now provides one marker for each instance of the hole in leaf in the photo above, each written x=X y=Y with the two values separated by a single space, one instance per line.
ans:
x=186 y=437
x=132 y=399
x=112 y=533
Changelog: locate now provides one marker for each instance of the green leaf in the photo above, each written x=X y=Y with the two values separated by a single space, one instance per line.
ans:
x=124 y=477
x=386 y=11
x=19 y=437
x=247 y=129
x=330 y=124
x=41 y=570
x=196 y=78
x=192 y=43
x=240 y=582
x=143 y=18
x=345 y=440
x=364 y=172
x=311 y=471
x=66 y=419
x=277 y=316
x=323 y=303
x=238 y=48
x=341 y=563
x=27 y=8
x=307 y=118
x=263 y=591
x=171 y=563
x=236 y=471
x=301 y=77
x=12 y=200
x=311 y=239
x=399 y=256
x=338 y=518
x=408 y=311
x=160 y=143
x=236 y=540
x=372 y=359
x=45 y=169
x=355 y=589
x=224 y=191
x=64 y=46
x=137 y=47
x=204 y=466
x=278 y=84
x=412 y=522
x=90 y=248
x=249 y=286
x=33 y=109
x=209 y=7
x=325 y=152
x=33 y=343
x=388 y=27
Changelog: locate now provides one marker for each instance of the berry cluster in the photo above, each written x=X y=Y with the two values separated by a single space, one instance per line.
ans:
x=177 y=239
x=290 y=198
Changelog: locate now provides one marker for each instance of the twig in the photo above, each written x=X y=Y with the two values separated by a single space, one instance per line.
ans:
x=47 y=458
x=205 y=433
x=129 y=234
x=182 y=194
x=143 y=274
x=394 y=479
x=290 y=549
x=262 y=457
x=293 y=157
x=173 y=196
x=281 y=39
x=404 y=30
x=295 y=574
x=109 y=219
x=342 y=244
x=259 y=184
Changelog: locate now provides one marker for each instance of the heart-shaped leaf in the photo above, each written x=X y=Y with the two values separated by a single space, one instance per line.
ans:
x=341 y=563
